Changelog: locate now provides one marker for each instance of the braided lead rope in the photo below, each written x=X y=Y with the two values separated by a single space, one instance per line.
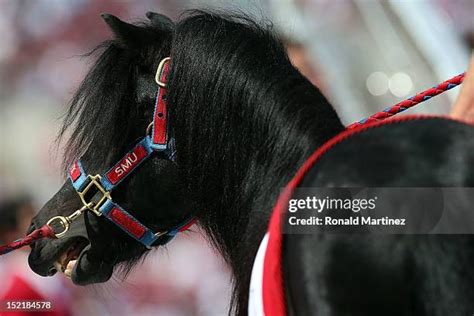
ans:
x=44 y=232
x=406 y=104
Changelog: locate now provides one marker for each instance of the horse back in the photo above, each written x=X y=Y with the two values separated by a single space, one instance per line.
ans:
x=386 y=274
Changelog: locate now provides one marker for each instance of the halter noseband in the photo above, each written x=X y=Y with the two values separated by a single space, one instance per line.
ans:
x=95 y=190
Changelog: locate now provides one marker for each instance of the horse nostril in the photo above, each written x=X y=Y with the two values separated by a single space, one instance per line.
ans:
x=52 y=271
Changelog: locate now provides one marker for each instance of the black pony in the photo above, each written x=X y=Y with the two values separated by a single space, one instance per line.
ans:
x=244 y=119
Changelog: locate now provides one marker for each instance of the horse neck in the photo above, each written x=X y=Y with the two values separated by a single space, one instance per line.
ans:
x=235 y=160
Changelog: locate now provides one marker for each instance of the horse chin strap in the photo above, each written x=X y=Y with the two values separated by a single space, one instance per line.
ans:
x=95 y=190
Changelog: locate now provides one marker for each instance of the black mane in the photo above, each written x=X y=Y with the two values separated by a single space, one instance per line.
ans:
x=244 y=120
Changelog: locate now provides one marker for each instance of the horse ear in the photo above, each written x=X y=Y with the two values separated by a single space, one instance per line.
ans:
x=160 y=20
x=128 y=33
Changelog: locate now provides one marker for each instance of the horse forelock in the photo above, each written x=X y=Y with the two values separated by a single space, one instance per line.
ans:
x=111 y=107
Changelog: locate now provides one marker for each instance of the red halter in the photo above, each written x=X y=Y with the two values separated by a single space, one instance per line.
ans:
x=104 y=184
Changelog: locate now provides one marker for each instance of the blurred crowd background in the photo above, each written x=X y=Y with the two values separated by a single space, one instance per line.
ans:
x=364 y=55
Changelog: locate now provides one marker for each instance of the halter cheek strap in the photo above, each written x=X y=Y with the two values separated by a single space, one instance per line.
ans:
x=160 y=116
x=100 y=186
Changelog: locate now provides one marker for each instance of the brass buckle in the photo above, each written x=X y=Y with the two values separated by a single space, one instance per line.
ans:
x=148 y=129
x=94 y=181
x=159 y=70
x=59 y=221
x=64 y=222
